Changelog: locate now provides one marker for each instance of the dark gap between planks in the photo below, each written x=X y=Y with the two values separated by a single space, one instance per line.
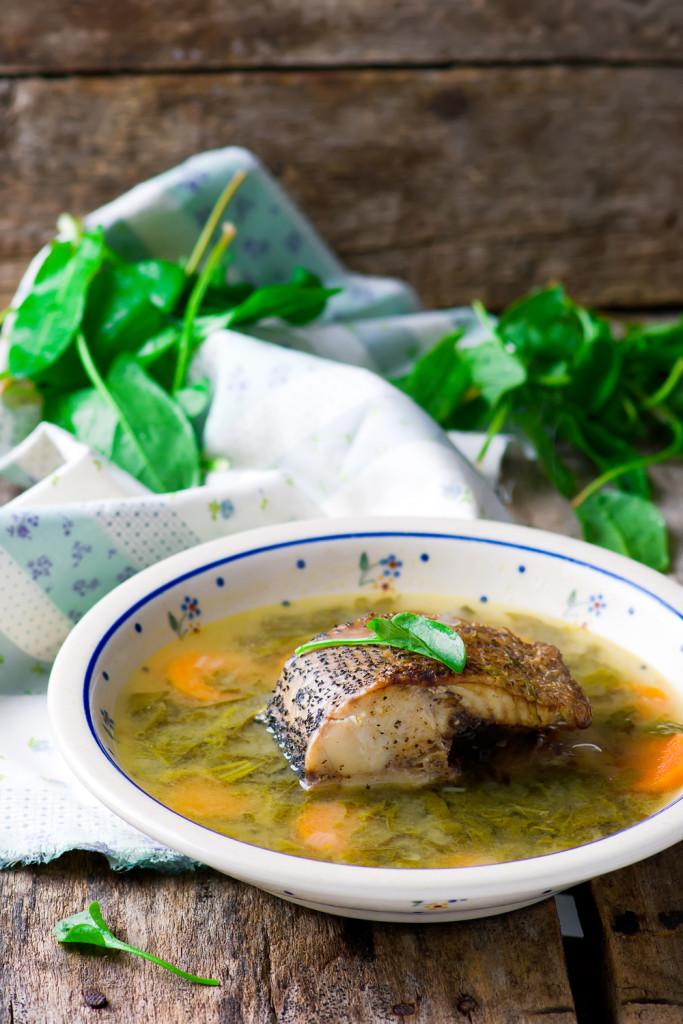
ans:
x=584 y=959
x=34 y=71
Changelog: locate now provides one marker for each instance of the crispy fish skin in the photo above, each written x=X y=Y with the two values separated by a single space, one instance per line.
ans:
x=368 y=714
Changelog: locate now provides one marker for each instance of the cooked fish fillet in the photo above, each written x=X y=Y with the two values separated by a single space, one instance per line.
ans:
x=369 y=714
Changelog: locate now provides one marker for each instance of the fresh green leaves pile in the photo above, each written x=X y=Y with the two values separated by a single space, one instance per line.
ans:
x=409 y=632
x=564 y=379
x=107 y=343
x=88 y=928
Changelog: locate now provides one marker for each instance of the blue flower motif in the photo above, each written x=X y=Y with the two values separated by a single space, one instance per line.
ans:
x=79 y=551
x=195 y=183
x=40 y=567
x=596 y=604
x=227 y=509
x=107 y=719
x=393 y=566
x=191 y=607
x=242 y=206
x=22 y=525
x=81 y=587
x=294 y=241
x=256 y=247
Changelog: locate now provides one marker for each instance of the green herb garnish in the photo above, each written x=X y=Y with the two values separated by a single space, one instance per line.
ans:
x=568 y=382
x=662 y=727
x=410 y=632
x=107 y=343
x=88 y=928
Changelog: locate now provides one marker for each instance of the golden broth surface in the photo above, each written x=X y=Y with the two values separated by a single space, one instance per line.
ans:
x=187 y=733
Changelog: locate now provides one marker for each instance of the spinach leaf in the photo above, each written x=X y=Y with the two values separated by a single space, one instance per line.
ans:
x=119 y=315
x=438 y=381
x=493 y=370
x=626 y=523
x=193 y=399
x=153 y=440
x=158 y=345
x=50 y=315
x=571 y=383
x=408 y=632
x=298 y=303
x=539 y=425
x=166 y=282
x=87 y=415
x=88 y=928
x=595 y=373
x=543 y=328
x=135 y=328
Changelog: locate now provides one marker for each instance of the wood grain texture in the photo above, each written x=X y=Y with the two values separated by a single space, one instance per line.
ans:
x=467 y=183
x=73 y=35
x=277 y=963
x=641 y=909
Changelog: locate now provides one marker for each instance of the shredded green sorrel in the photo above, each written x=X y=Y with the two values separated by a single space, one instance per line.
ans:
x=187 y=733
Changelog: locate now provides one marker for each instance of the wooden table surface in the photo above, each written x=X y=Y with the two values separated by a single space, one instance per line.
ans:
x=477 y=150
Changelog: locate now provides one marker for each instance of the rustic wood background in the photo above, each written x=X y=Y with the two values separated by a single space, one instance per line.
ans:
x=475 y=148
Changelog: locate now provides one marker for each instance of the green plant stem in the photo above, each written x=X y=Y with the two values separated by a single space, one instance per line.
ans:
x=647 y=460
x=315 y=645
x=495 y=426
x=195 y=301
x=667 y=387
x=212 y=223
x=98 y=383
x=164 y=963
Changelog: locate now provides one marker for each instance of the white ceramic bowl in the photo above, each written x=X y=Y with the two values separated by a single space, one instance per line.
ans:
x=482 y=561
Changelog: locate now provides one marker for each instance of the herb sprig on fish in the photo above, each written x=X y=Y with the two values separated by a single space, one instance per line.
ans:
x=409 y=632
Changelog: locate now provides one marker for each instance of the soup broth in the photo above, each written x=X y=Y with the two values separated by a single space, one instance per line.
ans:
x=188 y=734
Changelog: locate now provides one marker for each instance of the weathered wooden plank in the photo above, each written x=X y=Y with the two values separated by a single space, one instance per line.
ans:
x=467 y=183
x=641 y=909
x=161 y=34
x=278 y=964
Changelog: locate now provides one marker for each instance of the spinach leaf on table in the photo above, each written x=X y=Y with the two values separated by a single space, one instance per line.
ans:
x=88 y=928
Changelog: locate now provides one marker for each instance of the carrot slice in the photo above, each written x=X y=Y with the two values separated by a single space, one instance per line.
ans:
x=327 y=826
x=190 y=672
x=660 y=761
x=204 y=798
x=651 y=693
